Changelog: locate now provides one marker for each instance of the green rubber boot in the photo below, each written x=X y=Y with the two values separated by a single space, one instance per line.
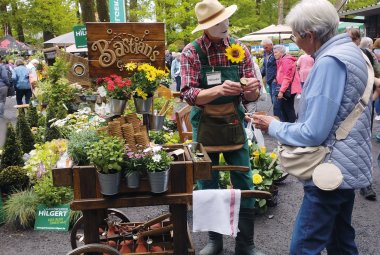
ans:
x=244 y=240
x=214 y=245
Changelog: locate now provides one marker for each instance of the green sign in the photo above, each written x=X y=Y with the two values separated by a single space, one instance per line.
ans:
x=80 y=35
x=117 y=11
x=1 y=210
x=56 y=218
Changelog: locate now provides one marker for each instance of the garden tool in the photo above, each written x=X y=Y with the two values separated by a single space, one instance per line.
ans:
x=214 y=245
x=244 y=244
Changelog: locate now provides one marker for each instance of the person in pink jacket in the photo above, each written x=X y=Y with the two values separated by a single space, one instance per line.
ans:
x=304 y=65
x=288 y=83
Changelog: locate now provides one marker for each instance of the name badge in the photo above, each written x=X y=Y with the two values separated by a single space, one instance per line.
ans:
x=214 y=78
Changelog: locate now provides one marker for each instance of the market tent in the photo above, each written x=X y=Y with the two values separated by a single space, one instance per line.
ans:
x=74 y=49
x=8 y=44
x=251 y=38
x=273 y=29
x=62 y=40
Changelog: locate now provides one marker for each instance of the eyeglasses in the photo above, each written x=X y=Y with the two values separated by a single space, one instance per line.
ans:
x=293 y=38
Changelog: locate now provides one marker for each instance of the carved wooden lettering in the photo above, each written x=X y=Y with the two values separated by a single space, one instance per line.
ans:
x=112 y=45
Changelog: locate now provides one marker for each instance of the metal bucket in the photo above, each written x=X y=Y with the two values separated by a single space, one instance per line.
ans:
x=117 y=106
x=109 y=183
x=156 y=122
x=143 y=106
x=133 y=180
x=158 y=181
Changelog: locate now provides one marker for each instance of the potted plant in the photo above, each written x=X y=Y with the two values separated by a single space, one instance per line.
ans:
x=78 y=142
x=145 y=81
x=135 y=162
x=107 y=156
x=265 y=171
x=118 y=91
x=158 y=166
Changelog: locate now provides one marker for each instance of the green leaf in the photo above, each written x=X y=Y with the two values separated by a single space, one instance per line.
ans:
x=262 y=202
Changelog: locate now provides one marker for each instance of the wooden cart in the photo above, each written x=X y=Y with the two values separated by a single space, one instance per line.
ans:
x=183 y=172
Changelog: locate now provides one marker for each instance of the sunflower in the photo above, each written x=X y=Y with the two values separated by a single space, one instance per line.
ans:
x=235 y=53
x=257 y=179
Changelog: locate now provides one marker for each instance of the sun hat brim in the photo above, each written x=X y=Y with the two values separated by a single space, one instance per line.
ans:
x=223 y=16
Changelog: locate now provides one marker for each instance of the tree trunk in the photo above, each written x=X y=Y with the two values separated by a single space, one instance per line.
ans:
x=103 y=12
x=5 y=17
x=280 y=12
x=18 y=21
x=88 y=10
x=258 y=6
x=47 y=35
x=133 y=8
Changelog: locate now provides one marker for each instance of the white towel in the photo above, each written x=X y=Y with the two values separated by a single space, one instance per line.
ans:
x=216 y=210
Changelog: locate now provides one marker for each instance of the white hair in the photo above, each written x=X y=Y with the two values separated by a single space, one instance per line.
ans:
x=318 y=16
x=365 y=43
x=280 y=48
x=266 y=41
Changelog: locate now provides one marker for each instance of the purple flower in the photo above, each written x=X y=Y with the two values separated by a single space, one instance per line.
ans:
x=40 y=169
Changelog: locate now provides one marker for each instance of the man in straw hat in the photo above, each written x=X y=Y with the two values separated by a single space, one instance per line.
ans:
x=217 y=73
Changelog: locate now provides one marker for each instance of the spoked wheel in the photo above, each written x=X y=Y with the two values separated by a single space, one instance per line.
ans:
x=77 y=235
x=94 y=247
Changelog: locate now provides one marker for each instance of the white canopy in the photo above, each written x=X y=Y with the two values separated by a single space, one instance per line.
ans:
x=274 y=37
x=273 y=29
x=73 y=49
x=65 y=39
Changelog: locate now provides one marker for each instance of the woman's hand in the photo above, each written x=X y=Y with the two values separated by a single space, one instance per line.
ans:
x=280 y=95
x=262 y=121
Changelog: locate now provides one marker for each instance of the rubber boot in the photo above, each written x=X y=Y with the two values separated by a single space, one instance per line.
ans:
x=2 y=108
x=244 y=240
x=214 y=245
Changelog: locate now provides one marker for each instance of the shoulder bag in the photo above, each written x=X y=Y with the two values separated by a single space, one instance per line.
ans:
x=306 y=163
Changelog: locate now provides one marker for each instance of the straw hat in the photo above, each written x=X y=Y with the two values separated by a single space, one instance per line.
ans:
x=211 y=12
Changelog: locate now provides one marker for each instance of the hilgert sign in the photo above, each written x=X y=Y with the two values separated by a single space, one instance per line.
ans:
x=56 y=218
x=117 y=11
x=112 y=45
x=80 y=35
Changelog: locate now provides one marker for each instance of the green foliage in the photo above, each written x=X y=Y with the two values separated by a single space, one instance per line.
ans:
x=50 y=195
x=20 y=208
x=32 y=115
x=12 y=152
x=158 y=160
x=135 y=161
x=51 y=132
x=78 y=142
x=170 y=124
x=55 y=92
x=163 y=137
x=41 y=120
x=24 y=133
x=107 y=154
x=61 y=112
x=59 y=70
x=13 y=178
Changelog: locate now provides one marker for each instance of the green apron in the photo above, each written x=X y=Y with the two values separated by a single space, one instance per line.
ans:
x=240 y=180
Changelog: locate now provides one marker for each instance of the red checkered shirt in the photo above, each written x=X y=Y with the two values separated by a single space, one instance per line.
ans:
x=191 y=65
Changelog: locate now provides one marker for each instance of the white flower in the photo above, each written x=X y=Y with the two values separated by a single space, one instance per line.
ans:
x=157 y=149
x=156 y=158
x=147 y=149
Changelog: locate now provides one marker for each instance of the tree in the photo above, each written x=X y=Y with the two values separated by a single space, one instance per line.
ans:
x=32 y=115
x=51 y=132
x=132 y=14
x=25 y=134
x=18 y=22
x=12 y=153
x=5 y=17
x=88 y=10
x=102 y=9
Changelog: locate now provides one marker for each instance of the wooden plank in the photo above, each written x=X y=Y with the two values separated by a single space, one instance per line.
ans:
x=179 y=220
x=62 y=177
x=133 y=201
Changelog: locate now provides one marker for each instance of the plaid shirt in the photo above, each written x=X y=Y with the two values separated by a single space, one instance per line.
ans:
x=191 y=65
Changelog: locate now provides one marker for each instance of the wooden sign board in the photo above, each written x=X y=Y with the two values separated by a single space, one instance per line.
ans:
x=112 y=45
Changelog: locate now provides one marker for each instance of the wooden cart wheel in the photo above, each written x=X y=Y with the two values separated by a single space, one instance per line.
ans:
x=77 y=235
x=94 y=247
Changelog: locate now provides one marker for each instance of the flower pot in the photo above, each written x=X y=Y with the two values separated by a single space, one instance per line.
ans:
x=156 y=122
x=133 y=180
x=117 y=106
x=158 y=181
x=143 y=106
x=273 y=201
x=109 y=183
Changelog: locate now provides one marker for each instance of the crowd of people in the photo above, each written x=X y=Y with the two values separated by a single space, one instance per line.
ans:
x=331 y=81
x=17 y=78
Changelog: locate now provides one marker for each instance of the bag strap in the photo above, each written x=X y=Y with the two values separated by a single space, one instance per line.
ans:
x=347 y=125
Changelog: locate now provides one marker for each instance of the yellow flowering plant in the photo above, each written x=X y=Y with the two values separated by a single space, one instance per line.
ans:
x=145 y=79
x=235 y=53
x=265 y=170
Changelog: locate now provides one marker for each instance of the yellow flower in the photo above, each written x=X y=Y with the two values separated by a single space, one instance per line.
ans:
x=131 y=66
x=141 y=93
x=257 y=179
x=235 y=53
x=263 y=149
x=256 y=154
x=188 y=141
x=273 y=155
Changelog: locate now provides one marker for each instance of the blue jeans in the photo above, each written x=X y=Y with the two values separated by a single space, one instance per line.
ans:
x=377 y=106
x=275 y=101
x=178 y=83
x=324 y=221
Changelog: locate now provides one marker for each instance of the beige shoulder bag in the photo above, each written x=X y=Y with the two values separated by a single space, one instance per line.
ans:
x=305 y=163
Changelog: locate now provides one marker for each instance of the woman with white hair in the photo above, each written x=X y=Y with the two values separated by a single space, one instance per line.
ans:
x=331 y=92
x=287 y=84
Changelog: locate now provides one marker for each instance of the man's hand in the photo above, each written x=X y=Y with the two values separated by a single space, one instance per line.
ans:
x=229 y=88
x=262 y=121
x=252 y=85
x=280 y=95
